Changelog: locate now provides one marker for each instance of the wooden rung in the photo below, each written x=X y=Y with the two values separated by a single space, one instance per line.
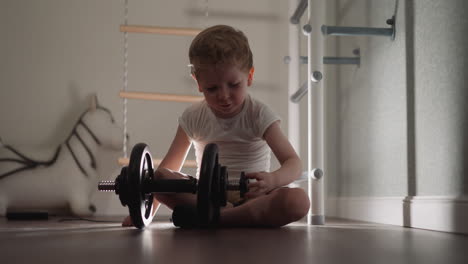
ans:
x=160 y=30
x=160 y=97
x=156 y=162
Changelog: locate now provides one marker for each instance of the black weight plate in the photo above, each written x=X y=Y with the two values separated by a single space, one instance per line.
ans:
x=205 y=207
x=223 y=181
x=121 y=186
x=140 y=167
x=216 y=187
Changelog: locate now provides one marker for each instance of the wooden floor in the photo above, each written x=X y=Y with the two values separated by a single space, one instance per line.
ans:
x=55 y=241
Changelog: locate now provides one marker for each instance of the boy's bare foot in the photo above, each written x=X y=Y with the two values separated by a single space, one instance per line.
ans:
x=127 y=222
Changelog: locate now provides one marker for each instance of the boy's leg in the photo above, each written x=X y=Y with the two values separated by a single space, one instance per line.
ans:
x=277 y=208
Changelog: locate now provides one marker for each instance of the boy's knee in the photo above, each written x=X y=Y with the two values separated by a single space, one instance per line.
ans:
x=294 y=202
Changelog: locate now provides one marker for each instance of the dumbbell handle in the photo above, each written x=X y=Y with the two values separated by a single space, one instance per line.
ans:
x=106 y=186
x=233 y=185
x=159 y=186
x=241 y=185
x=170 y=186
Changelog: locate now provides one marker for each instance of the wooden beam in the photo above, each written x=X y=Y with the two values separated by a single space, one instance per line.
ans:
x=160 y=30
x=160 y=97
x=156 y=162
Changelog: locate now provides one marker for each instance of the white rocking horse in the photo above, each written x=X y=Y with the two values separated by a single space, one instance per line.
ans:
x=68 y=178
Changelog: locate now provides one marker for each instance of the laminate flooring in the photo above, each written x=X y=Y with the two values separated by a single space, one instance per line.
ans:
x=339 y=241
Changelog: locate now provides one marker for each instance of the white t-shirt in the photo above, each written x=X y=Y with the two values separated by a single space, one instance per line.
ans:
x=241 y=146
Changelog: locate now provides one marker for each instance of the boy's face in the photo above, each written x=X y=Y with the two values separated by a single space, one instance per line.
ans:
x=224 y=87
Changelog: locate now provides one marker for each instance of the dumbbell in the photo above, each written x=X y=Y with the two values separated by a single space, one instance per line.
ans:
x=135 y=185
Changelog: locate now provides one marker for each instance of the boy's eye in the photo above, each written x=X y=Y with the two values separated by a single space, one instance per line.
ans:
x=234 y=85
x=211 y=89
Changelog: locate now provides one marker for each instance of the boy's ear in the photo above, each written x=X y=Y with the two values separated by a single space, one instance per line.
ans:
x=250 y=78
x=195 y=79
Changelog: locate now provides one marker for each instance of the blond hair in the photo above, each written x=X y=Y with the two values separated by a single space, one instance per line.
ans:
x=220 y=44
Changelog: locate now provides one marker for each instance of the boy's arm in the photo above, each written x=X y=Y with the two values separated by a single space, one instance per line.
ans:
x=175 y=156
x=291 y=165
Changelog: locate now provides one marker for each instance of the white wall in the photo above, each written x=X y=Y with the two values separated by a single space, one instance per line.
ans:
x=400 y=118
x=56 y=53
x=369 y=105
x=441 y=96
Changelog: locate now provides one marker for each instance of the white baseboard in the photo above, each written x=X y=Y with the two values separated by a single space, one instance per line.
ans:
x=385 y=210
x=439 y=213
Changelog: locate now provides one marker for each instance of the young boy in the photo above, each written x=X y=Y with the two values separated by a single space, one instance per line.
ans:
x=245 y=130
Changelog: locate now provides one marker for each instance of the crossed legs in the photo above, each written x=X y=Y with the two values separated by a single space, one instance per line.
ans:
x=277 y=208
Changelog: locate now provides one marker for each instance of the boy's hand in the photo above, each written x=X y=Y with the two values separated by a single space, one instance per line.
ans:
x=262 y=185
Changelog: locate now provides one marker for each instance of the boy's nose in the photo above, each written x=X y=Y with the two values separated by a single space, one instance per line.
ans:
x=223 y=93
